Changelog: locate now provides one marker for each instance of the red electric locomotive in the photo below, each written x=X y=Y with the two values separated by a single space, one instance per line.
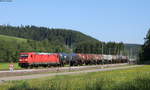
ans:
x=39 y=59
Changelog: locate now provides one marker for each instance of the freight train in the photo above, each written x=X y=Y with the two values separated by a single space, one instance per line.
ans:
x=35 y=59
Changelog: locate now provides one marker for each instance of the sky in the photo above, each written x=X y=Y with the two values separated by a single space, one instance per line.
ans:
x=106 y=20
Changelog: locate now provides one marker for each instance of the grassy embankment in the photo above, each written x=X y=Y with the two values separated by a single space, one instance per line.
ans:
x=129 y=79
x=5 y=66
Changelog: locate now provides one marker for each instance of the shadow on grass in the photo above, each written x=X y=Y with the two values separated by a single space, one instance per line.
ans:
x=136 y=84
x=98 y=85
x=22 y=86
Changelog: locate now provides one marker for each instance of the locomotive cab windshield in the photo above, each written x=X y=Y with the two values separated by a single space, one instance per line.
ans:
x=23 y=56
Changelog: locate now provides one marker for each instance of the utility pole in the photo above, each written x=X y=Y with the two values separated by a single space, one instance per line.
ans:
x=131 y=53
x=70 y=60
x=109 y=50
x=102 y=48
x=102 y=56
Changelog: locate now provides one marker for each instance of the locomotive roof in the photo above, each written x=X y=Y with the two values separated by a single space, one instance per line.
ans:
x=44 y=53
x=40 y=53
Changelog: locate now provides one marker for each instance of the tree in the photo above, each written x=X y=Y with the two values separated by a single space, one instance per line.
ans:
x=145 y=53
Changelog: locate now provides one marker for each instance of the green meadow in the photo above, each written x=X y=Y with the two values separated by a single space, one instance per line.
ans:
x=5 y=66
x=129 y=79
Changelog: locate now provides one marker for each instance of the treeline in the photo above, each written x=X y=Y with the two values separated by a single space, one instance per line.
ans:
x=100 y=48
x=41 y=39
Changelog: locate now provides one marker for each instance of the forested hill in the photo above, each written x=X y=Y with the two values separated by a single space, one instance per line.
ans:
x=132 y=46
x=62 y=36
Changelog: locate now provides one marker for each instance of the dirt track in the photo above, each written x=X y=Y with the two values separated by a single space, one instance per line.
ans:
x=3 y=79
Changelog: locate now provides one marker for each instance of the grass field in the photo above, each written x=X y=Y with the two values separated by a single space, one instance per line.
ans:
x=11 y=38
x=129 y=79
x=5 y=66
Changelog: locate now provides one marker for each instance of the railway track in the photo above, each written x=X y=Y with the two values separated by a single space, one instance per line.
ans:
x=63 y=68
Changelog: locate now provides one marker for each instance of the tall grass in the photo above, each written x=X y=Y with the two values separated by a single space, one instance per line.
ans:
x=130 y=79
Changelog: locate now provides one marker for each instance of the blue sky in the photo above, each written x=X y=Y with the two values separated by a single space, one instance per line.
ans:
x=106 y=20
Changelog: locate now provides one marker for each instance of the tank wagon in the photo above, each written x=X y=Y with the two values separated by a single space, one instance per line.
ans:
x=34 y=59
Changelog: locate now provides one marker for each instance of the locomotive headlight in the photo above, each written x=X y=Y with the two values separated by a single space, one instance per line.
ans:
x=26 y=59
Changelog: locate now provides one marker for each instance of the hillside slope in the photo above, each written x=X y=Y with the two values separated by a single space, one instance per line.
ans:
x=62 y=36
x=11 y=38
